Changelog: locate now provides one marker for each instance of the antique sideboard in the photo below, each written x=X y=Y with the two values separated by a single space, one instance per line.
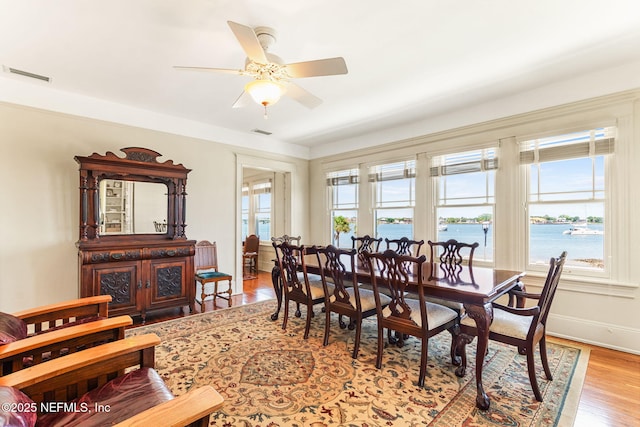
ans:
x=132 y=243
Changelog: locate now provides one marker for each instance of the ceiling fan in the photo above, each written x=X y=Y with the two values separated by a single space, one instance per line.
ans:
x=272 y=77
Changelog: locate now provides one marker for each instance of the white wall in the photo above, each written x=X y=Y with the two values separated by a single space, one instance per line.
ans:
x=39 y=195
x=602 y=311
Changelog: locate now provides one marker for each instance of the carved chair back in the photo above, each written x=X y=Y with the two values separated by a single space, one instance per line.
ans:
x=405 y=246
x=452 y=253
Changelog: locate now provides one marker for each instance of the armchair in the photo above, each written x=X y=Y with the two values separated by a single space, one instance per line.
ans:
x=524 y=328
x=32 y=336
x=95 y=378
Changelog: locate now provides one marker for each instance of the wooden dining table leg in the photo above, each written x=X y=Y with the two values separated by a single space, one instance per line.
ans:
x=277 y=287
x=483 y=316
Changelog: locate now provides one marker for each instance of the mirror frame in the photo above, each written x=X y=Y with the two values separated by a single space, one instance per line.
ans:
x=140 y=164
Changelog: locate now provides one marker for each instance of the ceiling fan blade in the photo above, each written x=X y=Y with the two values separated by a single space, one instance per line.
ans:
x=207 y=69
x=320 y=67
x=242 y=100
x=302 y=96
x=249 y=42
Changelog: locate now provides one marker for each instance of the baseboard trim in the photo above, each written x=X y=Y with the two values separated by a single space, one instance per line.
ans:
x=601 y=334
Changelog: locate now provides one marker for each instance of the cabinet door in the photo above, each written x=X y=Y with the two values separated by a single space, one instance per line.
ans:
x=120 y=280
x=167 y=283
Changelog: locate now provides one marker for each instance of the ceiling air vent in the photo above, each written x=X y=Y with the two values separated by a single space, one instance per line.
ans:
x=28 y=74
x=262 y=132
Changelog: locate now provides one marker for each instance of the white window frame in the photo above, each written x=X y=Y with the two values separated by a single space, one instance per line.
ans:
x=389 y=171
x=466 y=161
x=336 y=179
x=541 y=150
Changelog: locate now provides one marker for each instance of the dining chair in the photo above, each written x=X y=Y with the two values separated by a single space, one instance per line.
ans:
x=365 y=243
x=286 y=238
x=343 y=294
x=448 y=258
x=250 y=253
x=405 y=316
x=206 y=271
x=405 y=246
x=452 y=253
x=521 y=327
x=295 y=282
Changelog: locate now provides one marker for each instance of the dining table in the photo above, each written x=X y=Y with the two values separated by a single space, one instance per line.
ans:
x=475 y=287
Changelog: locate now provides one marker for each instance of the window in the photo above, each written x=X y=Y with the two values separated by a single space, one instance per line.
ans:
x=465 y=198
x=262 y=200
x=256 y=209
x=343 y=194
x=394 y=199
x=245 y=211
x=566 y=198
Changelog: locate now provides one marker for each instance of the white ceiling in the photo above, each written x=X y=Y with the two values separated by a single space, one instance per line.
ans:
x=415 y=66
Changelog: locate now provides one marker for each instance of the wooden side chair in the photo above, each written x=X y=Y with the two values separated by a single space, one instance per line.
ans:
x=524 y=328
x=285 y=238
x=206 y=266
x=295 y=282
x=448 y=257
x=343 y=294
x=452 y=253
x=365 y=243
x=415 y=317
x=250 y=253
x=405 y=246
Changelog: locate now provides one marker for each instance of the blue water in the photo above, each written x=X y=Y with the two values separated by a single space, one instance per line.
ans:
x=547 y=240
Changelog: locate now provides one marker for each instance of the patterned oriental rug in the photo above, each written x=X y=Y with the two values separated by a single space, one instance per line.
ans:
x=270 y=377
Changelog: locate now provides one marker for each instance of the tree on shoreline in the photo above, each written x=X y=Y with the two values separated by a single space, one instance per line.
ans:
x=340 y=225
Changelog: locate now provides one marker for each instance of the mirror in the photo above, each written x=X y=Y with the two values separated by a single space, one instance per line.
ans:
x=132 y=207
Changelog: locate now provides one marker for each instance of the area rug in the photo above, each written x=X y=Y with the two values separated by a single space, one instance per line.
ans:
x=270 y=377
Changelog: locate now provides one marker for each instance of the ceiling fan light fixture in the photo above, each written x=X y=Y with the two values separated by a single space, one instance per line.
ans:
x=265 y=92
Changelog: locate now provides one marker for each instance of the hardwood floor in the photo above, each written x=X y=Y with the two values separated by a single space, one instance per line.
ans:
x=611 y=390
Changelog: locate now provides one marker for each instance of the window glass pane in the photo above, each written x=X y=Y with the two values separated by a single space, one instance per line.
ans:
x=394 y=223
x=468 y=224
x=263 y=225
x=344 y=226
x=397 y=192
x=577 y=228
x=345 y=196
x=568 y=178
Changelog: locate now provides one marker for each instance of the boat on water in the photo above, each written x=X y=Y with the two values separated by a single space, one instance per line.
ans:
x=581 y=230
x=442 y=226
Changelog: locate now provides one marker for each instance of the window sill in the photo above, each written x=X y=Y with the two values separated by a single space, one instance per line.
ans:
x=589 y=285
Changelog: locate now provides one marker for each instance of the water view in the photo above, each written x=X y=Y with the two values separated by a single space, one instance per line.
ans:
x=547 y=240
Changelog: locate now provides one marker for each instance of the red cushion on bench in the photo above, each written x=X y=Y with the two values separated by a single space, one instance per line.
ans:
x=124 y=397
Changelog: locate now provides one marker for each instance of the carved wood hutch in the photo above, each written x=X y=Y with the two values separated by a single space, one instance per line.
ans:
x=147 y=263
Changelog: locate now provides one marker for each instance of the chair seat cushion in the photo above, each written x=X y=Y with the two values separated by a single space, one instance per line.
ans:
x=457 y=306
x=211 y=275
x=505 y=323
x=125 y=396
x=367 y=299
x=12 y=328
x=14 y=418
x=437 y=314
